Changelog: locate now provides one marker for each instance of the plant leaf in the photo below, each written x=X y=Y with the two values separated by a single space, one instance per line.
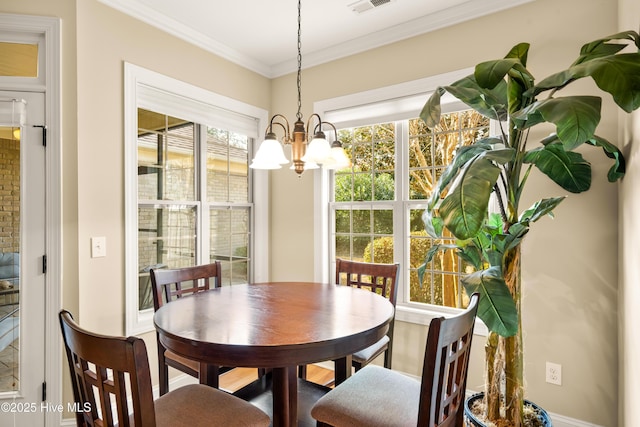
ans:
x=496 y=307
x=617 y=171
x=566 y=168
x=432 y=223
x=491 y=103
x=520 y=51
x=431 y=111
x=575 y=117
x=430 y=254
x=600 y=47
x=463 y=155
x=489 y=73
x=472 y=255
x=516 y=233
x=539 y=209
x=619 y=75
x=465 y=207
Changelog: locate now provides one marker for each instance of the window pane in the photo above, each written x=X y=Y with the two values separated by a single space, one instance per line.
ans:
x=343 y=247
x=343 y=221
x=362 y=221
x=166 y=239
x=384 y=186
x=18 y=59
x=166 y=160
x=362 y=187
x=383 y=222
x=343 y=191
x=229 y=237
x=361 y=245
x=227 y=166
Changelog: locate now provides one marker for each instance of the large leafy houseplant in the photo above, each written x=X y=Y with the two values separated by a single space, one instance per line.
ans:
x=477 y=199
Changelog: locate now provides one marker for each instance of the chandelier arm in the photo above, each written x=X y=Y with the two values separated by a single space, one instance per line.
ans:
x=285 y=127
x=335 y=131
x=318 y=125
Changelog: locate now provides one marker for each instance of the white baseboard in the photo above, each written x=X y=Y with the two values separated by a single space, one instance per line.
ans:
x=562 y=421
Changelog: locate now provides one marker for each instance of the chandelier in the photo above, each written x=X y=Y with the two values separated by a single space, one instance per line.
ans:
x=305 y=154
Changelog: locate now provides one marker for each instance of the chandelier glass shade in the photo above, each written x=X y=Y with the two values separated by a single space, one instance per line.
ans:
x=306 y=153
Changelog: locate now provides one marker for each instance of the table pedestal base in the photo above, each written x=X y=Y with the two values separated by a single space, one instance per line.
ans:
x=260 y=393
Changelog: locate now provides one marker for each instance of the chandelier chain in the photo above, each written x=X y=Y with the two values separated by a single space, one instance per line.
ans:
x=299 y=114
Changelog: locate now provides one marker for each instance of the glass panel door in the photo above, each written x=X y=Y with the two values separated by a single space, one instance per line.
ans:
x=9 y=258
x=22 y=248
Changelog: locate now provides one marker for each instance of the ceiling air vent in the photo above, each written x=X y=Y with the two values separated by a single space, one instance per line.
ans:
x=365 y=5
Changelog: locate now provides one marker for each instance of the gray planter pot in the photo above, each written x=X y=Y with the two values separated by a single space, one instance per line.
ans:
x=472 y=421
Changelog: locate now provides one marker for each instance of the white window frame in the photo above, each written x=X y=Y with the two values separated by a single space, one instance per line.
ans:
x=391 y=103
x=139 y=83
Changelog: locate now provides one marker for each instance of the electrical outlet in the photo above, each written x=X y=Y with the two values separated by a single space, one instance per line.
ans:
x=554 y=373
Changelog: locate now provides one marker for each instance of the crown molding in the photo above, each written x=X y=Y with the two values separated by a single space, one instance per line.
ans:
x=460 y=13
x=171 y=26
x=466 y=11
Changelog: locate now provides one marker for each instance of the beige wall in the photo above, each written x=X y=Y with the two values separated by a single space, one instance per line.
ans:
x=629 y=230
x=107 y=39
x=570 y=263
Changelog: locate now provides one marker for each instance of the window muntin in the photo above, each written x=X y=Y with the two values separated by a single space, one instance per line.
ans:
x=376 y=152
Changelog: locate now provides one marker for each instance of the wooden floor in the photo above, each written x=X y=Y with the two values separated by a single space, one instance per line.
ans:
x=239 y=377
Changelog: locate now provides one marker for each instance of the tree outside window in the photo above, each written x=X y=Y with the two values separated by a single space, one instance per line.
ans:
x=381 y=190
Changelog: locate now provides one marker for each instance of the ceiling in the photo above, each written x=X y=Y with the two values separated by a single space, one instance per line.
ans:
x=261 y=35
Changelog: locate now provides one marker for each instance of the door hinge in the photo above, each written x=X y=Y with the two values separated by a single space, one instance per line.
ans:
x=44 y=133
x=44 y=391
x=44 y=264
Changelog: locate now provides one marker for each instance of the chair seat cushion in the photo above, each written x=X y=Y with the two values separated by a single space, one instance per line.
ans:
x=364 y=356
x=376 y=406
x=200 y=405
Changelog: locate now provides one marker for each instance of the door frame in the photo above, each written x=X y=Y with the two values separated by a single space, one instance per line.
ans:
x=50 y=28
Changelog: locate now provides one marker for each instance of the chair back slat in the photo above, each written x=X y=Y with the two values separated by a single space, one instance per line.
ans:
x=444 y=374
x=379 y=278
x=168 y=285
x=107 y=373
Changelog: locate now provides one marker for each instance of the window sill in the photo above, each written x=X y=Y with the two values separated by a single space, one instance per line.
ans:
x=421 y=316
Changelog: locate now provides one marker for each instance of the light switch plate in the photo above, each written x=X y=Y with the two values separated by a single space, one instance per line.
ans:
x=98 y=247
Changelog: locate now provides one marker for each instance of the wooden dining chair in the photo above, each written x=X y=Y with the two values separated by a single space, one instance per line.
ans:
x=379 y=278
x=167 y=286
x=379 y=397
x=112 y=386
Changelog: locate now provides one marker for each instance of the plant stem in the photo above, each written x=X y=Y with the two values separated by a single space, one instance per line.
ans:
x=492 y=386
x=514 y=388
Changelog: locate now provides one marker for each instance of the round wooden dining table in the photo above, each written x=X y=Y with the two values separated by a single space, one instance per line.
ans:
x=277 y=325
